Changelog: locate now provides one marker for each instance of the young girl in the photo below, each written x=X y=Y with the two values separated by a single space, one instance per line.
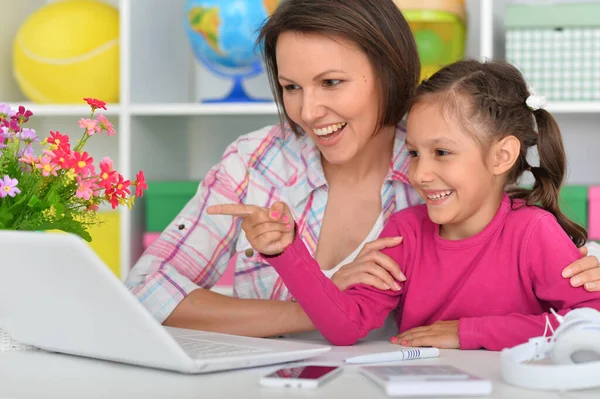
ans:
x=482 y=257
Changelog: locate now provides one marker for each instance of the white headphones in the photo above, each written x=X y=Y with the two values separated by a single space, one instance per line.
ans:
x=574 y=349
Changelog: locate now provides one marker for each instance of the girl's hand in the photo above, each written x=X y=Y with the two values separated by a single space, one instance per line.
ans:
x=371 y=267
x=584 y=271
x=269 y=230
x=441 y=334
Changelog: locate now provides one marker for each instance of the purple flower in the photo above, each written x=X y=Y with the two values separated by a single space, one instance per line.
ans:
x=5 y=133
x=27 y=150
x=28 y=136
x=9 y=187
x=6 y=111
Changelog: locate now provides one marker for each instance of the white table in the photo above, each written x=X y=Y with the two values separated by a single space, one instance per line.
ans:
x=38 y=374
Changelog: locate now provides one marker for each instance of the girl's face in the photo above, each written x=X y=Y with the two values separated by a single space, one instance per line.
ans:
x=330 y=90
x=450 y=172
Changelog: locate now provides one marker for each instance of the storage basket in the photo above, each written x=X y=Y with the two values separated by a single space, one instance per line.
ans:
x=556 y=45
x=573 y=202
x=164 y=201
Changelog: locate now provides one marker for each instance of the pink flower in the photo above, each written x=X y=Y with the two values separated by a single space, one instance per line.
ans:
x=61 y=158
x=8 y=187
x=95 y=104
x=140 y=184
x=106 y=125
x=22 y=115
x=83 y=163
x=85 y=188
x=11 y=124
x=90 y=126
x=28 y=159
x=108 y=175
x=58 y=140
x=47 y=166
x=121 y=187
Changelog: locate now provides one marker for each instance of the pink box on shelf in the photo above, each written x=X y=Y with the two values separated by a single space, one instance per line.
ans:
x=149 y=238
x=226 y=279
x=594 y=213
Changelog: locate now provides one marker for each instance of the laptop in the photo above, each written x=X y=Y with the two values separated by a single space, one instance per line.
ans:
x=58 y=295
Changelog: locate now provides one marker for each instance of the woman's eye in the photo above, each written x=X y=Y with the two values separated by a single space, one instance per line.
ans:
x=413 y=154
x=441 y=153
x=291 y=87
x=331 y=82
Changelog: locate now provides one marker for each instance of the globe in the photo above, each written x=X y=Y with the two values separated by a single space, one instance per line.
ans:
x=223 y=35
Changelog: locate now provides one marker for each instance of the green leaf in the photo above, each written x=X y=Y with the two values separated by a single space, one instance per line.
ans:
x=34 y=202
x=5 y=216
x=53 y=198
x=68 y=226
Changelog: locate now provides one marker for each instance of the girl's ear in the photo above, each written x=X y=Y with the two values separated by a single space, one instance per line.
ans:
x=504 y=154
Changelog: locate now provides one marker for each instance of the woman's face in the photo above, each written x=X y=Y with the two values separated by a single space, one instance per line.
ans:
x=330 y=90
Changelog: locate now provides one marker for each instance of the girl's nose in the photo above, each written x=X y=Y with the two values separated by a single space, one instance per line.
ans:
x=422 y=172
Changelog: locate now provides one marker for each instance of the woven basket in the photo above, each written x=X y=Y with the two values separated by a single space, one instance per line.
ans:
x=557 y=47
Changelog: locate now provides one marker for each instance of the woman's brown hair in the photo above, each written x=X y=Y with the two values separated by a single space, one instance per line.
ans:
x=377 y=27
x=489 y=100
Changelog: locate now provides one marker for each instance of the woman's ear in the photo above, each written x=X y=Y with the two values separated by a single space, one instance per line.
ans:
x=504 y=154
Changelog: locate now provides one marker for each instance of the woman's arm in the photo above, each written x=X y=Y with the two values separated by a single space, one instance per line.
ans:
x=585 y=272
x=209 y=311
x=172 y=277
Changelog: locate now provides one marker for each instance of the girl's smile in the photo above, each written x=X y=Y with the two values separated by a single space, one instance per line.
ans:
x=437 y=197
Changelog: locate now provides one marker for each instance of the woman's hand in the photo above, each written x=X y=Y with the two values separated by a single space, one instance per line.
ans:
x=269 y=230
x=371 y=267
x=584 y=272
x=441 y=334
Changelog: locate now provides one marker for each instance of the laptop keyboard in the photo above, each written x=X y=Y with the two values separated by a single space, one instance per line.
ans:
x=200 y=349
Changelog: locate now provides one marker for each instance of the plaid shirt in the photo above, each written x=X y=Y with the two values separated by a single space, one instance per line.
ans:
x=259 y=168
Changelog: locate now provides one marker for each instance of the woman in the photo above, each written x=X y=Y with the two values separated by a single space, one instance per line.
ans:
x=342 y=72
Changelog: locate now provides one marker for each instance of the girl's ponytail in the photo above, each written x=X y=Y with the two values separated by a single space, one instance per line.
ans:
x=550 y=175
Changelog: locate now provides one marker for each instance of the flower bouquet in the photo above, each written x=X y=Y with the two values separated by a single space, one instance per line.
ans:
x=56 y=187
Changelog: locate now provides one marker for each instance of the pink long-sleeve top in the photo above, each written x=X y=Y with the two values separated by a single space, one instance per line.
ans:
x=500 y=284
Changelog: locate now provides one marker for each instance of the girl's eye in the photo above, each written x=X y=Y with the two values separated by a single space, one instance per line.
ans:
x=291 y=87
x=331 y=82
x=441 y=153
x=413 y=154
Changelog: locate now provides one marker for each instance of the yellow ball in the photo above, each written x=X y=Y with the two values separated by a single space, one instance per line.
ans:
x=69 y=50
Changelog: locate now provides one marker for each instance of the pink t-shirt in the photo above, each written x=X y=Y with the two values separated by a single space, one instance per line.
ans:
x=499 y=284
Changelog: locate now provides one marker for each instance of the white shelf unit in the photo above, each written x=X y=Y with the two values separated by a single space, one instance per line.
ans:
x=164 y=130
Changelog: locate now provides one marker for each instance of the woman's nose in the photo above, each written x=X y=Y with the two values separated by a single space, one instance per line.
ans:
x=313 y=108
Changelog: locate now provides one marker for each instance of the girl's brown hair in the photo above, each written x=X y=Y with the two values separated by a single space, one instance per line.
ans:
x=489 y=99
x=377 y=27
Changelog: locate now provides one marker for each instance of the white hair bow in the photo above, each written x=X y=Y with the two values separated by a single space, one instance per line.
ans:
x=535 y=101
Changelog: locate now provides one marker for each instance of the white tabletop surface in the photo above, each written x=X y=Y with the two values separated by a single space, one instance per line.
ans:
x=38 y=374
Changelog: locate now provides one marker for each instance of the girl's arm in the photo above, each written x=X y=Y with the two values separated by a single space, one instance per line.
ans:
x=342 y=317
x=548 y=251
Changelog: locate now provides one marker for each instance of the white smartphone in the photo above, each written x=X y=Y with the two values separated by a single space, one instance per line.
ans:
x=427 y=380
x=300 y=377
